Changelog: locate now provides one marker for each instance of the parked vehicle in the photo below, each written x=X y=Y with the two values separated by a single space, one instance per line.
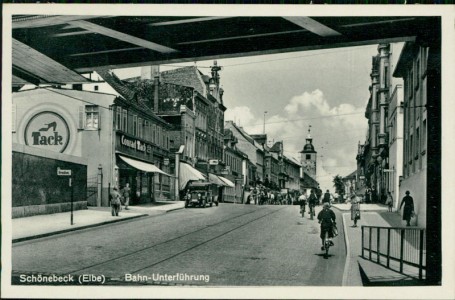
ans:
x=200 y=194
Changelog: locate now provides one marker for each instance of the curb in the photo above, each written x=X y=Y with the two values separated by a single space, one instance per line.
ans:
x=173 y=209
x=347 y=263
x=32 y=237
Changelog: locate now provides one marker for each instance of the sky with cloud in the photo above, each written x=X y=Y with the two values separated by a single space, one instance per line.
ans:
x=327 y=89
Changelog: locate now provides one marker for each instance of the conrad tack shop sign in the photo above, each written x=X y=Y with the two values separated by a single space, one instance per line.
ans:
x=135 y=144
x=47 y=130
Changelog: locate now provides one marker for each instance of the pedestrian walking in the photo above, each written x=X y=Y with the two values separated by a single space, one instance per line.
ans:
x=389 y=201
x=355 y=209
x=126 y=195
x=115 y=202
x=367 y=195
x=408 y=210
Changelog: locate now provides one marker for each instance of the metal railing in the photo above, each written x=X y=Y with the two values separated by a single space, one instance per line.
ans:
x=92 y=190
x=396 y=247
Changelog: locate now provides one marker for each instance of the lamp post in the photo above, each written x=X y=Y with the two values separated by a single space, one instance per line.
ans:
x=263 y=131
x=177 y=171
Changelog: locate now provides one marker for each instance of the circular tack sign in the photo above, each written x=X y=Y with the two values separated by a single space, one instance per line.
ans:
x=47 y=130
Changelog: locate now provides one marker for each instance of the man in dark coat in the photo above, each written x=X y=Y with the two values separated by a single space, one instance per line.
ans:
x=408 y=208
x=327 y=197
x=326 y=218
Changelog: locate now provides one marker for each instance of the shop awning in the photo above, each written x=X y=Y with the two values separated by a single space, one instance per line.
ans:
x=146 y=167
x=188 y=173
x=216 y=180
x=227 y=181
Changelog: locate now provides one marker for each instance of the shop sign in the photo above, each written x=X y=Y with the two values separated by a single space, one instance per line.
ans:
x=47 y=130
x=63 y=172
x=135 y=144
x=166 y=161
x=213 y=162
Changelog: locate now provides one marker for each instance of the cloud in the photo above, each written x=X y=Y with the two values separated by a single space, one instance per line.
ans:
x=241 y=115
x=336 y=131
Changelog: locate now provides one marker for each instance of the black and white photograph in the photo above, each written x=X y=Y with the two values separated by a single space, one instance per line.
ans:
x=191 y=151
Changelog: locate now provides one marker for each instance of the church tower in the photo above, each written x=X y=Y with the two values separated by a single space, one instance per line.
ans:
x=308 y=157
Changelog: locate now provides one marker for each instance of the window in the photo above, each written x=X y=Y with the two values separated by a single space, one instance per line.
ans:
x=424 y=136
x=95 y=88
x=125 y=120
x=140 y=128
x=308 y=156
x=146 y=130
x=118 y=121
x=92 y=117
x=417 y=154
x=135 y=125
x=386 y=76
x=411 y=152
x=153 y=133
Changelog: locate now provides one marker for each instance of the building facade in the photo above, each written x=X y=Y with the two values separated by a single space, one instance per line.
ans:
x=375 y=157
x=255 y=153
x=396 y=130
x=115 y=136
x=233 y=161
x=414 y=69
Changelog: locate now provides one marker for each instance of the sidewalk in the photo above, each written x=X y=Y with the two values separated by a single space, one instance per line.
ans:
x=359 y=271
x=45 y=225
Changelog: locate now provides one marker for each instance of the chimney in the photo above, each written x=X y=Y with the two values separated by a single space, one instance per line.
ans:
x=156 y=88
x=152 y=73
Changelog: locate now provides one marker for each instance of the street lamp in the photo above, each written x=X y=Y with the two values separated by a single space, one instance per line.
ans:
x=263 y=131
x=177 y=171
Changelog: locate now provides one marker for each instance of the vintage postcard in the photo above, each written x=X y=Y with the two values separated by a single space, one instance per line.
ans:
x=191 y=151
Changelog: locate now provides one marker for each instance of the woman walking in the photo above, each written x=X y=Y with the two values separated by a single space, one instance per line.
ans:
x=389 y=201
x=355 y=209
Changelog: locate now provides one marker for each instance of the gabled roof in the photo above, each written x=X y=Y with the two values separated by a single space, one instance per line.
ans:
x=352 y=175
x=292 y=160
x=277 y=147
x=246 y=136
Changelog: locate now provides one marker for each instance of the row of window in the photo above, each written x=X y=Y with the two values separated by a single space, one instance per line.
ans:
x=415 y=124
x=141 y=128
x=233 y=162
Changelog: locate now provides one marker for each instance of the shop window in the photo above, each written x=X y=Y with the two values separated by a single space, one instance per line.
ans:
x=92 y=117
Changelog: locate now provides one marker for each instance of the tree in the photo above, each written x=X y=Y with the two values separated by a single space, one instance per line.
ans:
x=339 y=185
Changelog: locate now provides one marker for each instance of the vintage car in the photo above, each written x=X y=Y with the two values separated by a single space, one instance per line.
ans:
x=200 y=194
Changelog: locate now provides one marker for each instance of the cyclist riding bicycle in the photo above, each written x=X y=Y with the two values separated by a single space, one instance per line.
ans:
x=302 y=202
x=326 y=218
x=312 y=202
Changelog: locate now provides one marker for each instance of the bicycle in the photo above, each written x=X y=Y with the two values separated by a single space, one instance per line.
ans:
x=327 y=244
x=312 y=213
